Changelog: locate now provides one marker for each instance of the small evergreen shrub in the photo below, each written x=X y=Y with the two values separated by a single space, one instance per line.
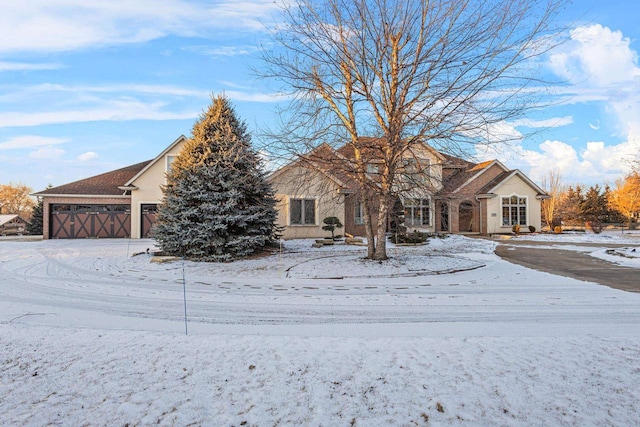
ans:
x=532 y=229
x=332 y=223
x=415 y=237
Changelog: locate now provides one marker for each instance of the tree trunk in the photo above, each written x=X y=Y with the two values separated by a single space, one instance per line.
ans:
x=381 y=244
x=368 y=226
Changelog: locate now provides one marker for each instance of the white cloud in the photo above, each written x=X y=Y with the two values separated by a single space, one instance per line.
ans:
x=89 y=155
x=30 y=141
x=121 y=102
x=597 y=163
x=222 y=51
x=598 y=55
x=25 y=66
x=47 y=153
x=116 y=110
x=601 y=67
x=546 y=123
x=62 y=25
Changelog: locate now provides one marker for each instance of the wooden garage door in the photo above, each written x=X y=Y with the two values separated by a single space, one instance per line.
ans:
x=89 y=221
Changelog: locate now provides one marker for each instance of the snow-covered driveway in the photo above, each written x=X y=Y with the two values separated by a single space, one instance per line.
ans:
x=59 y=282
x=90 y=335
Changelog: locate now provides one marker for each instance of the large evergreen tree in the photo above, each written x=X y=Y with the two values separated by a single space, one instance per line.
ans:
x=217 y=205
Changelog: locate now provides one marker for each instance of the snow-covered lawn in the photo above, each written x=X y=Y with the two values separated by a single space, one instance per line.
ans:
x=444 y=334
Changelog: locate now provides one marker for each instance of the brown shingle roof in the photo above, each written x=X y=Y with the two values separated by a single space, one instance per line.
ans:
x=105 y=184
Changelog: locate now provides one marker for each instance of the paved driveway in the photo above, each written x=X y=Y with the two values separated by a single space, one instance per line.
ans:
x=570 y=263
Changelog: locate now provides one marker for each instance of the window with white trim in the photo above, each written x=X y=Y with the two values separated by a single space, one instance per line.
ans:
x=417 y=212
x=514 y=210
x=302 y=211
x=170 y=159
x=358 y=214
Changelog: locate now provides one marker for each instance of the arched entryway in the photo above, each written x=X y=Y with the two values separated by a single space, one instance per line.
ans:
x=465 y=217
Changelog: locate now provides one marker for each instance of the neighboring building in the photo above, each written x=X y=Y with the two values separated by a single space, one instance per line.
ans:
x=441 y=193
x=116 y=204
x=437 y=192
x=12 y=224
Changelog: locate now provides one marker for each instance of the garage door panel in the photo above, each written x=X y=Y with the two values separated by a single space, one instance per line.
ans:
x=61 y=224
x=102 y=225
x=121 y=225
x=82 y=225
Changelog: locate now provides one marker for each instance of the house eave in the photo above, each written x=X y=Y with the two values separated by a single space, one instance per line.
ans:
x=86 y=196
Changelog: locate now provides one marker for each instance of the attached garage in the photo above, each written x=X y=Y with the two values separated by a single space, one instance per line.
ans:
x=122 y=203
x=96 y=207
x=89 y=221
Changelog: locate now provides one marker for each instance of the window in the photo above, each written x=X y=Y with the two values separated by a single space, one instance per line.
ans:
x=373 y=168
x=416 y=171
x=303 y=212
x=170 y=159
x=417 y=212
x=358 y=214
x=514 y=210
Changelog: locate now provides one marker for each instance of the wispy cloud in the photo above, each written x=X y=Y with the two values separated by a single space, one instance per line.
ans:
x=121 y=102
x=30 y=141
x=110 y=111
x=89 y=155
x=546 y=123
x=11 y=94
x=223 y=51
x=47 y=153
x=63 y=25
x=26 y=66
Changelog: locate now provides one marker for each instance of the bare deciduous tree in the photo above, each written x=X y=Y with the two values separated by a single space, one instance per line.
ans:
x=552 y=184
x=405 y=72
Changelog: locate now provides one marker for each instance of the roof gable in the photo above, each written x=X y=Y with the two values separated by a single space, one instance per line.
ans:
x=493 y=186
x=6 y=218
x=159 y=157
x=319 y=159
x=476 y=170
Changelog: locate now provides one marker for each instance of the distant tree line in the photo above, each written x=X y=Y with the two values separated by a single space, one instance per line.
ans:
x=594 y=206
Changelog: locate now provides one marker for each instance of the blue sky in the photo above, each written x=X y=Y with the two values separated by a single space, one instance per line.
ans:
x=89 y=86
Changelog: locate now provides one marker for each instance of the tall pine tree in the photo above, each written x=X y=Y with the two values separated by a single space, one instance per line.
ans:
x=217 y=205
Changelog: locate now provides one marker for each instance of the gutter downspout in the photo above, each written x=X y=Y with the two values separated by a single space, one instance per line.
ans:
x=480 y=207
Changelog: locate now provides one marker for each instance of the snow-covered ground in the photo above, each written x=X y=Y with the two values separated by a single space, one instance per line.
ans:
x=444 y=334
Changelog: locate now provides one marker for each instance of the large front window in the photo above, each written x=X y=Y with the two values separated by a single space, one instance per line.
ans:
x=417 y=212
x=514 y=210
x=303 y=212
